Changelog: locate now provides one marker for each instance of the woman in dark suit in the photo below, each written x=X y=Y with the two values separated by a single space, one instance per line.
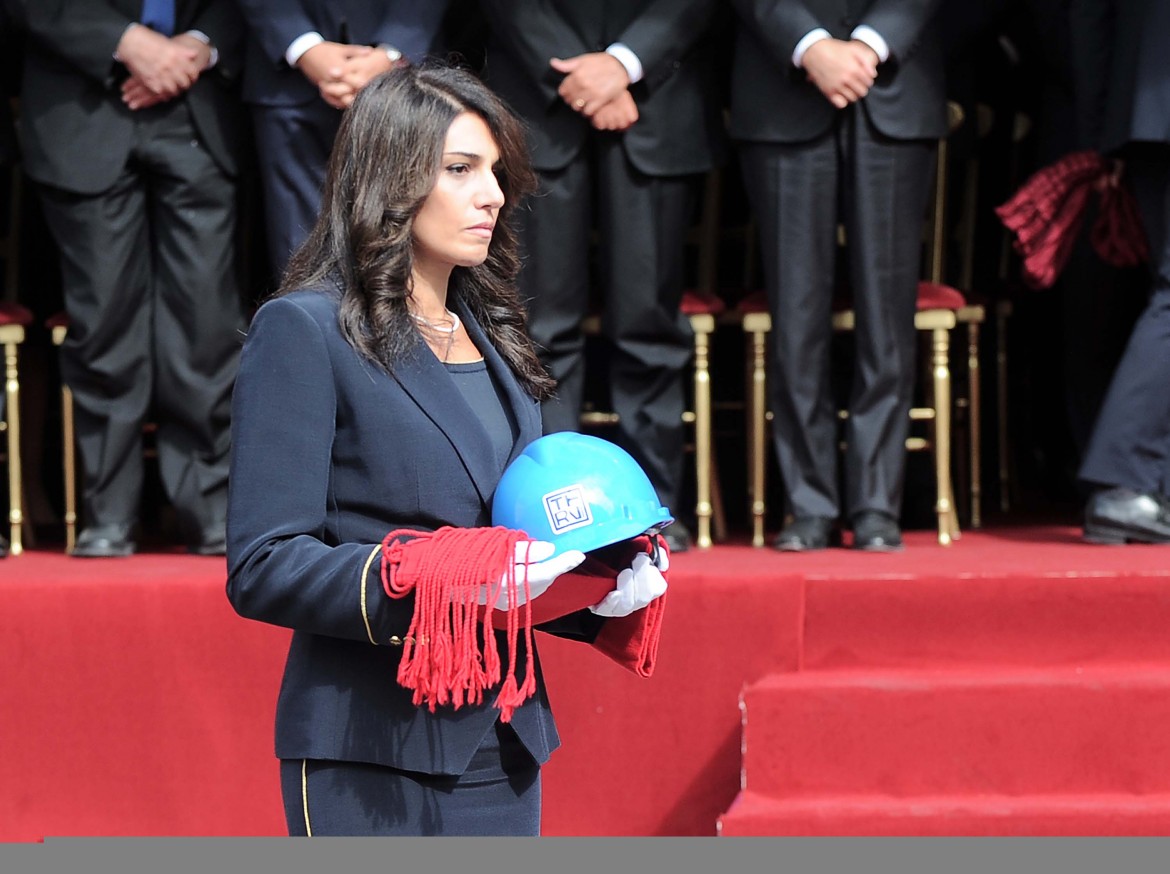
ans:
x=387 y=386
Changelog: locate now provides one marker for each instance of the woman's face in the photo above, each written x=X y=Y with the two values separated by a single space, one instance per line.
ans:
x=455 y=224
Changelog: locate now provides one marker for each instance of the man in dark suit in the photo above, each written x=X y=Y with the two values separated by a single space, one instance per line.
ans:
x=1124 y=96
x=305 y=62
x=624 y=116
x=129 y=125
x=837 y=106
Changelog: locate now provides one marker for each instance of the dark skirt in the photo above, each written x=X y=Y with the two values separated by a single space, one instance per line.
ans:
x=498 y=794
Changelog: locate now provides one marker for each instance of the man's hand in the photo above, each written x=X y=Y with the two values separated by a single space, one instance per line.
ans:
x=202 y=50
x=324 y=65
x=137 y=96
x=359 y=70
x=165 y=66
x=591 y=80
x=618 y=114
x=843 y=70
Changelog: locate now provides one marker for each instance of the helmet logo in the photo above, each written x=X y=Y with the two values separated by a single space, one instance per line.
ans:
x=567 y=509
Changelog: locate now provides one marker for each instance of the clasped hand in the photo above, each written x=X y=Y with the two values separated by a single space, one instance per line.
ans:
x=843 y=70
x=595 y=85
x=340 y=70
x=161 y=67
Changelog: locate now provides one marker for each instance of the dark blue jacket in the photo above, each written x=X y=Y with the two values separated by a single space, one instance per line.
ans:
x=329 y=453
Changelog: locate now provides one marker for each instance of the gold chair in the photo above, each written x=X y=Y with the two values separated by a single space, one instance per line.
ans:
x=937 y=315
x=970 y=313
x=14 y=319
x=58 y=327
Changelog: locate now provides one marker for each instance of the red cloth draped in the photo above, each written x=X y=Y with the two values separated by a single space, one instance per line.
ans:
x=447 y=660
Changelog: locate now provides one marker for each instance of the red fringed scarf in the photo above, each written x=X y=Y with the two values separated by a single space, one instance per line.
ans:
x=441 y=657
x=1047 y=212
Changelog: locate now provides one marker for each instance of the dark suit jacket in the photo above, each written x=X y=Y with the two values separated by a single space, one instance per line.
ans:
x=411 y=26
x=680 y=128
x=773 y=101
x=330 y=453
x=76 y=131
x=1122 y=49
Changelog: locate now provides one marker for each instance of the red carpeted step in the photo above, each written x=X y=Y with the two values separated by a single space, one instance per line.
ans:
x=948 y=617
x=926 y=733
x=1077 y=815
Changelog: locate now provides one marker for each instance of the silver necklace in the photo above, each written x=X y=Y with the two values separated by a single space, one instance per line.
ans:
x=442 y=329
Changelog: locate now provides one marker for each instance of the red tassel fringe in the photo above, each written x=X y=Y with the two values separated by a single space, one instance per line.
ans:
x=1048 y=210
x=442 y=660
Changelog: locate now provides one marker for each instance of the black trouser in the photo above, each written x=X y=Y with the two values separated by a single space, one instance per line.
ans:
x=152 y=292
x=642 y=223
x=1130 y=445
x=293 y=143
x=878 y=188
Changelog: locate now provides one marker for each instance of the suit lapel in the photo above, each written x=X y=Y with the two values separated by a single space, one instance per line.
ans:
x=426 y=380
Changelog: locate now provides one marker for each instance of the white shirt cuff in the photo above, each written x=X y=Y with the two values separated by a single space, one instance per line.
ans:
x=873 y=39
x=628 y=60
x=300 y=45
x=815 y=35
x=206 y=40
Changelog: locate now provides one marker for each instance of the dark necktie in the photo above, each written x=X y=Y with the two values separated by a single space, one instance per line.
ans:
x=159 y=15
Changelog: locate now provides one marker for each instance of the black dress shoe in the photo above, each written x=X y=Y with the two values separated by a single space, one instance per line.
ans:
x=874 y=531
x=104 y=541
x=1121 y=515
x=804 y=534
x=677 y=538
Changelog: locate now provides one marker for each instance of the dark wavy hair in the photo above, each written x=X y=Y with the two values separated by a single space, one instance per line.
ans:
x=385 y=161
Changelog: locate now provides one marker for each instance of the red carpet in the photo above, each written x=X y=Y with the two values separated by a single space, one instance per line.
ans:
x=1014 y=683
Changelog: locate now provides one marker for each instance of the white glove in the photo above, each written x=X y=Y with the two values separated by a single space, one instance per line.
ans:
x=637 y=586
x=541 y=570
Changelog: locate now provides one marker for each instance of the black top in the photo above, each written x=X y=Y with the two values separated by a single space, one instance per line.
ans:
x=482 y=393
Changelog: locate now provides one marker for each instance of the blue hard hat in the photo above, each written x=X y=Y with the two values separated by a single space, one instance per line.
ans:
x=577 y=491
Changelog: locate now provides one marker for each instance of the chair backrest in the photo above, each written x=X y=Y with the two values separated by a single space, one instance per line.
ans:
x=936 y=219
x=1020 y=134
x=10 y=239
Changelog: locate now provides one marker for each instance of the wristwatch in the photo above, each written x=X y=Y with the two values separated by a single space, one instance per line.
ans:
x=392 y=53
